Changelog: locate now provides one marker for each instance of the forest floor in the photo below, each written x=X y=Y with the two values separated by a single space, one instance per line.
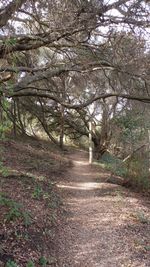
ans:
x=30 y=206
x=57 y=210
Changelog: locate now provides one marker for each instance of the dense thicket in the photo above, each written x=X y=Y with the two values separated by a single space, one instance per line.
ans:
x=65 y=63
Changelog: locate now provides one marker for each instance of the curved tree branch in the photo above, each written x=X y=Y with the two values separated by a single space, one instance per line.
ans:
x=144 y=99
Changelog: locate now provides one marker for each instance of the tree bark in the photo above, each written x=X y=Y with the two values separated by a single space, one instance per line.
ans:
x=90 y=143
x=61 y=139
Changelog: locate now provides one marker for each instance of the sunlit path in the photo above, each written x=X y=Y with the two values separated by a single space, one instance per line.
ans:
x=101 y=230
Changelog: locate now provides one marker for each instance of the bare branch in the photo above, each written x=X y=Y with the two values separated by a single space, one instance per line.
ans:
x=144 y=99
x=9 y=10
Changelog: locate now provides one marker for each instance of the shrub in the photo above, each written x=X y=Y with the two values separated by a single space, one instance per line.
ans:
x=15 y=210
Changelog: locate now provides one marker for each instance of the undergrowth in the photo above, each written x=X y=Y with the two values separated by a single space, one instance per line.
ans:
x=30 y=205
x=15 y=210
x=42 y=262
x=135 y=171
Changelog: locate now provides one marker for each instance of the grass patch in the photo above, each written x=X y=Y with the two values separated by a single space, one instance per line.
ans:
x=42 y=262
x=15 y=210
x=11 y=264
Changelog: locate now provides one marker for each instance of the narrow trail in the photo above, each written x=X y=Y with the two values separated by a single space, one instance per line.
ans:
x=102 y=227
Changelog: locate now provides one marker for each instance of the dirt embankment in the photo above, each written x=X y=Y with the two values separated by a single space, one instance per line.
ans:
x=30 y=206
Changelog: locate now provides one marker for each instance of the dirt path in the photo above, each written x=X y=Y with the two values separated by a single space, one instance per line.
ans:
x=107 y=226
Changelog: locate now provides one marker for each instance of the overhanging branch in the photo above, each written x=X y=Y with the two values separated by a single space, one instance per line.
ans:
x=144 y=99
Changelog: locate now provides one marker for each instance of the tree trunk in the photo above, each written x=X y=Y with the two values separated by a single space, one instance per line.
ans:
x=100 y=146
x=14 y=120
x=90 y=143
x=22 y=126
x=61 y=138
x=99 y=151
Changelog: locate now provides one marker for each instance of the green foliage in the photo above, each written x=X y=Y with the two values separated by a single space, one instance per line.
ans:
x=3 y=170
x=15 y=210
x=132 y=127
x=10 y=42
x=4 y=127
x=113 y=164
x=138 y=171
x=43 y=261
x=13 y=214
x=5 y=124
x=26 y=218
x=142 y=218
x=30 y=264
x=37 y=193
x=11 y=264
x=54 y=200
